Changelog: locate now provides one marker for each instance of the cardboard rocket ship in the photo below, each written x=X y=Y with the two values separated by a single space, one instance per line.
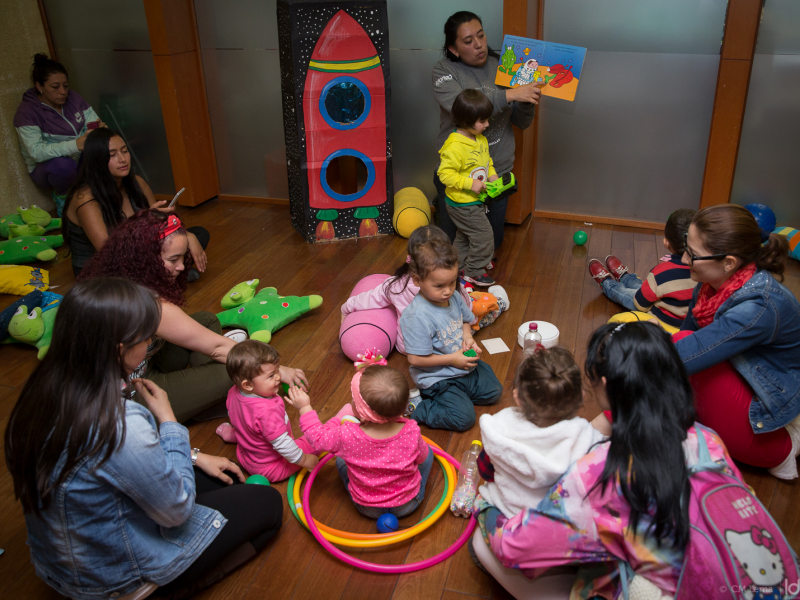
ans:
x=341 y=119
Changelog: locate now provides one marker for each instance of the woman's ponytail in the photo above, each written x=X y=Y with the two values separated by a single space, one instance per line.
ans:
x=772 y=256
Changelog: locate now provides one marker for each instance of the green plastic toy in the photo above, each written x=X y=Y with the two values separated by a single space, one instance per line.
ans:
x=263 y=312
x=470 y=353
x=37 y=220
x=580 y=238
x=257 y=480
x=35 y=328
x=498 y=186
x=28 y=249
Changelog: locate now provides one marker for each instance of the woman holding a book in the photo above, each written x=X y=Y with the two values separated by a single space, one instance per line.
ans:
x=469 y=63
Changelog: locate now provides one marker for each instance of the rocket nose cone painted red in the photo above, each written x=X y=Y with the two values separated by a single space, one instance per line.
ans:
x=343 y=39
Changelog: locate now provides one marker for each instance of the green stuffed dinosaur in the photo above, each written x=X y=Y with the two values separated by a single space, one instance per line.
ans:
x=35 y=328
x=28 y=249
x=37 y=220
x=263 y=312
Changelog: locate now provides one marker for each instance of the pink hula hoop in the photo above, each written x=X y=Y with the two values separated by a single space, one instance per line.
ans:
x=375 y=567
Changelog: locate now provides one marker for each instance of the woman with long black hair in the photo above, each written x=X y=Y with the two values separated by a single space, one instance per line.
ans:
x=114 y=496
x=105 y=194
x=627 y=499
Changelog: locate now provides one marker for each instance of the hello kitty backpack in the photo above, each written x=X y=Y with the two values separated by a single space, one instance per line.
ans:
x=736 y=550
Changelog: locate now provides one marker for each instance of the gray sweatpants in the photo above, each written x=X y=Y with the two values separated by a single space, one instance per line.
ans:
x=474 y=238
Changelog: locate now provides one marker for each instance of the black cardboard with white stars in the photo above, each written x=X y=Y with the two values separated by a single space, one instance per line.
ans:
x=300 y=23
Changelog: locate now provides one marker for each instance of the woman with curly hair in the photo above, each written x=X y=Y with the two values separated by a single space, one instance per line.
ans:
x=105 y=194
x=150 y=248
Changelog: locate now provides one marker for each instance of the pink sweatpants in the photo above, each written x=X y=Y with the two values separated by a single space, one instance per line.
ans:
x=722 y=401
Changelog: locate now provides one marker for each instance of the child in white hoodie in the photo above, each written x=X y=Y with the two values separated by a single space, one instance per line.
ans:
x=528 y=447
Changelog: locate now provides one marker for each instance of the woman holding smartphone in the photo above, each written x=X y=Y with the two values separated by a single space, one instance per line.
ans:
x=105 y=194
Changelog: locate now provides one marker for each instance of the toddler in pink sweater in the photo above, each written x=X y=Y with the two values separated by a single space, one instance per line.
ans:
x=382 y=460
x=259 y=423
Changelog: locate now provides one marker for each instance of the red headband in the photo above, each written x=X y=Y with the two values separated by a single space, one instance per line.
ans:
x=173 y=224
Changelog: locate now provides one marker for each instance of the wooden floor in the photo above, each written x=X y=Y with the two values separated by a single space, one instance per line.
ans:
x=546 y=278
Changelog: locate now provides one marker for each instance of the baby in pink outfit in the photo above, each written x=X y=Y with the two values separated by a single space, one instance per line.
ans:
x=382 y=460
x=259 y=423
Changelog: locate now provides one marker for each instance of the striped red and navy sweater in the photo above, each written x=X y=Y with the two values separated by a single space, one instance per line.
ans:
x=667 y=292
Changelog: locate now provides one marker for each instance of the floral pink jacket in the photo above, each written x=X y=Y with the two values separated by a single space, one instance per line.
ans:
x=569 y=528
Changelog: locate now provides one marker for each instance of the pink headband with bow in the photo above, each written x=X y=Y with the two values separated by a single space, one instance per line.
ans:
x=370 y=357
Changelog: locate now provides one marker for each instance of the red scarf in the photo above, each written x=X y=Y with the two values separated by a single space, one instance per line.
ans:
x=709 y=300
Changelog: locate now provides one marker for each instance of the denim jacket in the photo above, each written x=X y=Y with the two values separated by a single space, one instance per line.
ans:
x=758 y=330
x=132 y=520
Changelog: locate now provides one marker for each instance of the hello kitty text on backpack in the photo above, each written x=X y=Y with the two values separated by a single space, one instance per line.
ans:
x=736 y=550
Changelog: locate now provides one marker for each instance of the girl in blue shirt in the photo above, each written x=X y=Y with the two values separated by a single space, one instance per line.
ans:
x=436 y=329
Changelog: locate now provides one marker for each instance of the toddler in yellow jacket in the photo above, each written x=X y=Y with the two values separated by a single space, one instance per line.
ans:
x=465 y=167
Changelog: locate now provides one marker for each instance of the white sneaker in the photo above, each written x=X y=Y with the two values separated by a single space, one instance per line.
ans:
x=788 y=468
x=502 y=296
x=237 y=335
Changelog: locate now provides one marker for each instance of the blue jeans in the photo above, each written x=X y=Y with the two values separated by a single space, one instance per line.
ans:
x=623 y=291
x=373 y=512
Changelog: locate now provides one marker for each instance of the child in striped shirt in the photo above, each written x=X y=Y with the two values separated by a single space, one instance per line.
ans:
x=667 y=291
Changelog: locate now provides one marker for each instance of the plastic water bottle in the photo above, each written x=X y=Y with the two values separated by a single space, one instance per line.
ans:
x=531 y=340
x=468 y=480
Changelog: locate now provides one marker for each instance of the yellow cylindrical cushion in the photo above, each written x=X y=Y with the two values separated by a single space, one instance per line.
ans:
x=411 y=210
x=636 y=315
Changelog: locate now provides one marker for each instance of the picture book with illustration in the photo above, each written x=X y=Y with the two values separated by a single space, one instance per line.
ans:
x=556 y=67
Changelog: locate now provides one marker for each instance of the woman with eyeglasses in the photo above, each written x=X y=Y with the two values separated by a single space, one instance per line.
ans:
x=741 y=339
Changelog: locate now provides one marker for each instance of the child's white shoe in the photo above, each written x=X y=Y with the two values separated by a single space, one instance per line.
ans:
x=788 y=468
x=237 y=335
x=502 y=297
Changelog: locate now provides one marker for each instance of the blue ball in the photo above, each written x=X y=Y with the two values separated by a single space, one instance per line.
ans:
x=387 y=523
x=763 y=215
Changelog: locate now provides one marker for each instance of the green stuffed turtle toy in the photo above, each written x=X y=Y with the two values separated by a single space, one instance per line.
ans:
x=263 y=312
x=28 y=221
x=28 y=249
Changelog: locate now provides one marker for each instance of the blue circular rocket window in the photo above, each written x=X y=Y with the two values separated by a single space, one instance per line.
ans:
x=344 y=103
x=323 y=175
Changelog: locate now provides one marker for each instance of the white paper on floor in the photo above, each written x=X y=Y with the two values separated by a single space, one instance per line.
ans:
x=495 y=345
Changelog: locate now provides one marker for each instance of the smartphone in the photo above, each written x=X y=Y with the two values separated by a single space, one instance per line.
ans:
x=175 y=199
x=93 y=125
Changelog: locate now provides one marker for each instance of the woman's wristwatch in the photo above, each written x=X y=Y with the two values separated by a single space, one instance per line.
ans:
x=195 y=452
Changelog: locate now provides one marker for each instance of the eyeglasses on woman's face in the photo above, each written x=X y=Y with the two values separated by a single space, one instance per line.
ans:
x=693 y=257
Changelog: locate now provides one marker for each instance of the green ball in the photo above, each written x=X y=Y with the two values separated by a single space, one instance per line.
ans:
x=257 y=480
x=580 y=238
x=470 y=353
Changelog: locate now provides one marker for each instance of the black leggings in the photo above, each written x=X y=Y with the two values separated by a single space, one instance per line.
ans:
x=254 y=514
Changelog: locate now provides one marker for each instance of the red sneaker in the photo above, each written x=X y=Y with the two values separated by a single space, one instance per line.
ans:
x=598 y=271
x=615 y=267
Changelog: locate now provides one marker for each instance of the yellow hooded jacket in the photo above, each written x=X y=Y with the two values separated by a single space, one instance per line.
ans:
x=463 y=160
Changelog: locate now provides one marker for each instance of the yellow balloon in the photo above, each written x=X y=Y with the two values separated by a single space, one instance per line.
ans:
x=411 y=210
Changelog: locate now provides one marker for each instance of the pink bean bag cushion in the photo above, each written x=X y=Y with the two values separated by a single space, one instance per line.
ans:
x=374 y=328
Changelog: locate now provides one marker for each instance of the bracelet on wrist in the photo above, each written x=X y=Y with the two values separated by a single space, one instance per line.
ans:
x=195 y=453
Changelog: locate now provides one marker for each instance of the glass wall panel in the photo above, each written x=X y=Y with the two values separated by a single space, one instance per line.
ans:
x=633 y=143
x=105 y=47
x=766 y=168
x=240 y=63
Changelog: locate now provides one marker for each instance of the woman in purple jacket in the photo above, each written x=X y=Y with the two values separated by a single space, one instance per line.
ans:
x=52 y=123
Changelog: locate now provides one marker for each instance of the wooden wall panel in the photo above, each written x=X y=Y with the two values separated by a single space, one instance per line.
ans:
x=730 y=100
x=518 y=16
x=181 y=87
